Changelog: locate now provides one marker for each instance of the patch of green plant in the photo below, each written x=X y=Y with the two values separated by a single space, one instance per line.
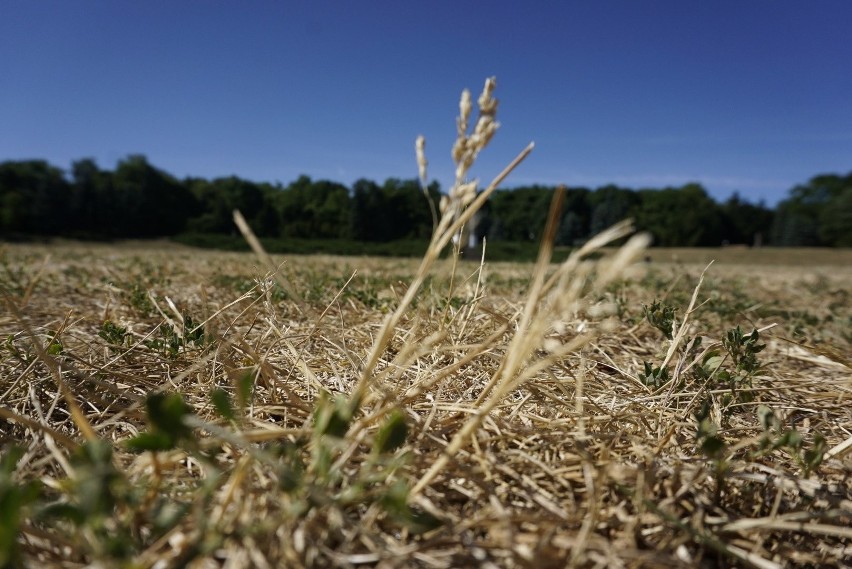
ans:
x=166 y=413
x=12 y=279
x=307 y=469
x=775 y=437
x=92 y=497
x=711 y=445
x=654 y=377
x=661 y=316
x=309 y=474
x=728 y=301
x=743 y=349
x=139 y=300
x=114 y=335
x=101 y=511
x=170 y=341
x=709 y=442
x=54 y=347
x=222 y=400
x=11 y=347
x=243 y=284
x=396 y=505
x=15 y=501
x=54 y=344
x=733 y=370
x=454 y=302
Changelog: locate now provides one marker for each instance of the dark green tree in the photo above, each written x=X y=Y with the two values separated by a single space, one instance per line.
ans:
x=519 y=214
x=397 y=209
x=33 y=198
x=815 y=214
x=680 y=217
x=574 y=227
x=314 y=210
x=744 y=222
x=609 y=205
x=150 y=202
x=92 y=206
x=218 y=199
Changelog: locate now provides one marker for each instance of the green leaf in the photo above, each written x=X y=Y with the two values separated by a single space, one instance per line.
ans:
x=222 y=403
x=99 y=486
x=9 y=462
x=712 y=446
x=766 y=417
x=334 y=419
x=154 y=441
x=166 y=412
x=14 y=499
x=654 y=377
x=292 y=470
x=420 y=521
x=661 y=317
x=791 y=439
x=395 y=504
x=112 y=333
x=63 y=511
x=813 y=457
x=193 y=333
x=392 y=434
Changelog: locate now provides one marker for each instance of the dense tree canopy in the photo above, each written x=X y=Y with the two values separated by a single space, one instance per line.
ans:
x=816 y=213
x=138 y=200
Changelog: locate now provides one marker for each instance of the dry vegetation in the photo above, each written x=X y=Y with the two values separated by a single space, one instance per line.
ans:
x=174 y=407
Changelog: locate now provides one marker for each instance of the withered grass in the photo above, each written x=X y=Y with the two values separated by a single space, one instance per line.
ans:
x=580 y=463
x=532 y=440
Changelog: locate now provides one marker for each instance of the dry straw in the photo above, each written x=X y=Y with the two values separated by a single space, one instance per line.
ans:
x=529 y=438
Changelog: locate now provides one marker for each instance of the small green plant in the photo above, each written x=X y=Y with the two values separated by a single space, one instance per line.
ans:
x=654 y=377
x=54 y=344
x=166 y=413
x=15 y=500
x=116 y=336
x=91 y=500
x=12 y=279
x=11 y=346
x=715 y=371
x=171 y=341
x=307 y=468
x=743 y=349
x=711 y=445
x=660 y=316
x=775 y=437
x=138 y=298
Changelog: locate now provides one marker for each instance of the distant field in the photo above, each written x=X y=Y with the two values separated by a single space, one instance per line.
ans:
x=762 y=256
x=210 y=414
x=701 y=255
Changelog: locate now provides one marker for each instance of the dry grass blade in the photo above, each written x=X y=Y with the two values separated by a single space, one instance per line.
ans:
x=76 y=412
x=258 y=249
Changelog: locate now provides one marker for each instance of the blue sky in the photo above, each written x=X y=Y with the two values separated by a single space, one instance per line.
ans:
x=752 y=96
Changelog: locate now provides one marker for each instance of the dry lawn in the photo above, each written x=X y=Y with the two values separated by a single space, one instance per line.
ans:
x=571 y=460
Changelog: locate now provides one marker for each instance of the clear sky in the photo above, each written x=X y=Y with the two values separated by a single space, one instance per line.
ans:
x=753 y=96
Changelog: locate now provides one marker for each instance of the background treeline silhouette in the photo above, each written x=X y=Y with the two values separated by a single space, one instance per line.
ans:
x=138 y=200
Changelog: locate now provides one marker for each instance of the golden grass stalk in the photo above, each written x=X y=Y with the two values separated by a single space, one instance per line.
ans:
x=457 y=208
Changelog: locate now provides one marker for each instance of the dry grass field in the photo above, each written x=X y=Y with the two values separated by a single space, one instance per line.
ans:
x=168 y=407
x=174 y=407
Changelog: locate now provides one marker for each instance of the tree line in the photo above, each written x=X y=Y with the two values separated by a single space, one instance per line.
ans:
x=139 y=200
